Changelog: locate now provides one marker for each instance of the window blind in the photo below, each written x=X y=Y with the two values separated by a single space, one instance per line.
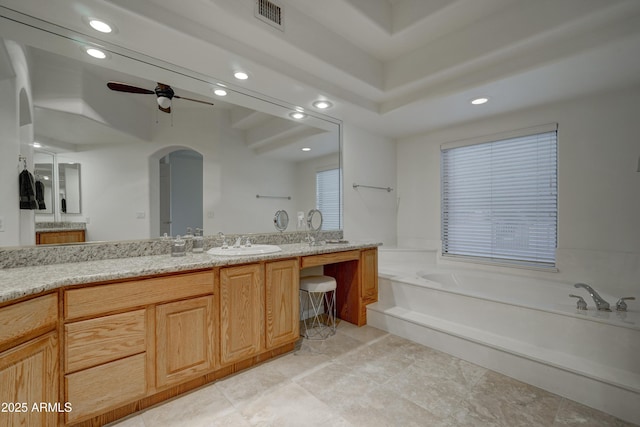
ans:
x=499 y=200
x=328 y=198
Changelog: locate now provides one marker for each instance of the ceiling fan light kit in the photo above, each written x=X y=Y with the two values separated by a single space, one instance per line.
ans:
x=163 y=92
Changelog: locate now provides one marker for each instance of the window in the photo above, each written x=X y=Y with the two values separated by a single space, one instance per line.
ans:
x=328 y=198
x=499 y=199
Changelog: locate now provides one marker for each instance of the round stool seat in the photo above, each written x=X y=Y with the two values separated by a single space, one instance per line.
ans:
x=318 y=283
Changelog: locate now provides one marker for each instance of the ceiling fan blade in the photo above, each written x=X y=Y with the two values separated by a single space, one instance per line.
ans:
x=194 y=100
x=123 y=87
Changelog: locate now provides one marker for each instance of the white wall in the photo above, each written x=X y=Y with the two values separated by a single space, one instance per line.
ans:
x=369 y=159
x=599 y=187
x=18 y=225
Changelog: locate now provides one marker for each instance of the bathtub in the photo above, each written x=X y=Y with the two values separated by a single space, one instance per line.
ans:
x=519 y=325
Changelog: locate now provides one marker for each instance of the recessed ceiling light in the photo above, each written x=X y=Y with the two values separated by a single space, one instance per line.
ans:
x=241 y=75
x=306 y=149
x=220 y=92
x=322 y=104
x=101 y=26
x=480 y=101
x=96 y=53
x=297 y=115
x=36 y=144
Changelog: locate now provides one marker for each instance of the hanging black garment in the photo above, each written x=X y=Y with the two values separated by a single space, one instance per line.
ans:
x=27 y=191
x=40 y=195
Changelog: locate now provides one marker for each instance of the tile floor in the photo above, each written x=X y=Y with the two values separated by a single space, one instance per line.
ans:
x=367 y=377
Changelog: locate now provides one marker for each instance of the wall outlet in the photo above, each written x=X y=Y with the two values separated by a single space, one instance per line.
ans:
x=1 y=223
x=140 y=215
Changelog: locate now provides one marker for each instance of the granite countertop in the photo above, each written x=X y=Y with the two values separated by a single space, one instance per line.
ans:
x=19 y=282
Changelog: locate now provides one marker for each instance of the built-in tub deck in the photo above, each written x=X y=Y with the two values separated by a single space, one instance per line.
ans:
x=521 y=326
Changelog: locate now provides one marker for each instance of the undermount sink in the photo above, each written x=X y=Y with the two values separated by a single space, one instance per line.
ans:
x=245 y=250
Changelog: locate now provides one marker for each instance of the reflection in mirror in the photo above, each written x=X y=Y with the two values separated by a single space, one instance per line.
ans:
x=44 y=178
x=69 y=188
x=180 y=183
x=281 y=220
x=314 y=220
x=247 y=145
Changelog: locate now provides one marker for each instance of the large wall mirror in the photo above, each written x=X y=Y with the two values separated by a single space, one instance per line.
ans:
x=136 y=160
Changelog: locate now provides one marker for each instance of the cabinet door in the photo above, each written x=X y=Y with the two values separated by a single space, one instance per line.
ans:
x=241 y=312
x=29 y=376
x=369 y=275
x=282 y=302
x=184 y=340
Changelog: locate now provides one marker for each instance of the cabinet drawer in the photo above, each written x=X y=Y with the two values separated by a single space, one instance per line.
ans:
x=28 y=319
x=103 y=299
x=332 y=258
x=97 y=390
x=96 y=341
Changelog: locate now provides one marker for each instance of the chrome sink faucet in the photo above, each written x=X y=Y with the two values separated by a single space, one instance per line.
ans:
x=601 y=304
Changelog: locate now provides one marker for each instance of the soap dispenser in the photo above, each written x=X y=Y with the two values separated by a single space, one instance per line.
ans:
x=198 y=242
x=178 y=247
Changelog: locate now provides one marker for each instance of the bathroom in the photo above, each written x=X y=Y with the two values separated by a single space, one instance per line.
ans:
x=598 y=147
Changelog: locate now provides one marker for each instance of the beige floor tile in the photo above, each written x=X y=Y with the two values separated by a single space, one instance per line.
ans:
x=574 y=414
x=508 y=402
x=194 y=409
x=300 y=362
x=335 y=346
x=288 y=405
x=363 y=334
x=249 y=384
x=366 y=377
x=134 y=421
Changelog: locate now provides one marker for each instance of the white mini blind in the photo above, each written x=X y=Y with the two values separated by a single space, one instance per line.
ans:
x=499 y=200
x=328 y=198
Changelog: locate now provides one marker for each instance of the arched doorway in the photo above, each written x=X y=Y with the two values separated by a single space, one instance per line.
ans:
x=176 y=174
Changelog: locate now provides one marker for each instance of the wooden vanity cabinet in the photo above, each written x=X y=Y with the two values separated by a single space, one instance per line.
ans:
x=29 y=363
x=127 y=340
x=57 y=237
x=368 y=281
x=241 y=312
x=282 y=302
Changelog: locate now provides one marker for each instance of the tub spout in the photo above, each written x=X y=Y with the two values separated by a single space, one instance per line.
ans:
x=601 y=304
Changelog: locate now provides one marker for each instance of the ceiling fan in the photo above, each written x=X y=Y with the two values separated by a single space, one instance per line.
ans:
x=164 y=93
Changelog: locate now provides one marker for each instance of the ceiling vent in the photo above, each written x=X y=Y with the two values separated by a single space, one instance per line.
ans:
x=270 y=12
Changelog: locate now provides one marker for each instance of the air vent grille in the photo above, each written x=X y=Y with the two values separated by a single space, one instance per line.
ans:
x=270 y=12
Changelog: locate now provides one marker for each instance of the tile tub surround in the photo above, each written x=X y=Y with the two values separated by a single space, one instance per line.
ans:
x=57 y=254
x=23 y=281
x=367 y=377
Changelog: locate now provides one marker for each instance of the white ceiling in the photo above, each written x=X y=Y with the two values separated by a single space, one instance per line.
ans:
x=395 y=67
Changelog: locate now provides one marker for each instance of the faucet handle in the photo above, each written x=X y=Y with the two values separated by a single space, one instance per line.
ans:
x=621 y=305
x=582 y=304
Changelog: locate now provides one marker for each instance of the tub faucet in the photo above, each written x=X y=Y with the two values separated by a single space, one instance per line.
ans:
x=601 y=304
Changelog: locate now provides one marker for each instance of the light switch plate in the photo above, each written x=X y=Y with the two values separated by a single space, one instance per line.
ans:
x=1 y=223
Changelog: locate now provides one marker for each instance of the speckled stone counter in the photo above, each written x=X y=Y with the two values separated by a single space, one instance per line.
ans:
x=59 y=226
x=19 y=282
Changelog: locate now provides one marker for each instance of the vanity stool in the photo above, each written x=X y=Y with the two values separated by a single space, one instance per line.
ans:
x=318 y=300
